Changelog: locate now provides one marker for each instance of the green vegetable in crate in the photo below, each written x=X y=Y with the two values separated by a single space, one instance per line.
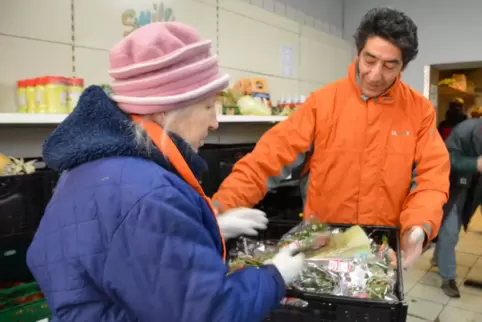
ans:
x=306 y=237
x=354 y=242
x=317 y=279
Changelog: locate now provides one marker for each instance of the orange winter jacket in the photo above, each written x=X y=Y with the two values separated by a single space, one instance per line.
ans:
x=377 y=161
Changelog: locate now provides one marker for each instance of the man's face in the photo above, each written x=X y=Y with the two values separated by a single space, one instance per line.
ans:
x=380 y=63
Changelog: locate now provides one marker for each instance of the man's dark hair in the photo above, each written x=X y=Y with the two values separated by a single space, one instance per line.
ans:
x=391 y=25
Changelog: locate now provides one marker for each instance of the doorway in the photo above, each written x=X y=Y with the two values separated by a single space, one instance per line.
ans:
x=454 y=84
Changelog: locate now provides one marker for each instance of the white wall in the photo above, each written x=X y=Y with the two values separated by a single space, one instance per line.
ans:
x=247 y=37
x=448 y=30
x=329 y=12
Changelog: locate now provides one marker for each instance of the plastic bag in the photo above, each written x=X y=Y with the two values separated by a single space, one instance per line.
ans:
x=364 y=277
x=250 y=252
x=295 y=302
x=306 y=237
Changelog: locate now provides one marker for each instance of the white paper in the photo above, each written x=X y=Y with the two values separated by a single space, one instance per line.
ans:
x=433 y=97
x=287 y=55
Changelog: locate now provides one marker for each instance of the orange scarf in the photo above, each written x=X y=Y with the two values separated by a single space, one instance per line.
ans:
x=169 y=149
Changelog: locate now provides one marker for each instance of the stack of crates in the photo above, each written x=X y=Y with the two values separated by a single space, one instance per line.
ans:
x=23 y=303
x=23 y=199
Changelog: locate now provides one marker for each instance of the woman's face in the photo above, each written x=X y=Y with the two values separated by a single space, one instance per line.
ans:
x=194 y=122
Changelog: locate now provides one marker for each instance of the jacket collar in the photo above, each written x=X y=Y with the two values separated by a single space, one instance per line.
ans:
x=97 y=129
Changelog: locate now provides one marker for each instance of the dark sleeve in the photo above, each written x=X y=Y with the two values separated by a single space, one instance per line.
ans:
x=460 y=160
x=162 y=264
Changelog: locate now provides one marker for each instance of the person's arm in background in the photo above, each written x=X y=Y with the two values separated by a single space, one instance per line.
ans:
x=430 y=179
x=162 y=265
x=460 y=162
x=278 y=150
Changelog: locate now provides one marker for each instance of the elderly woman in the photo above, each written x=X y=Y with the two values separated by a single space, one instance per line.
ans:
x=129 y=234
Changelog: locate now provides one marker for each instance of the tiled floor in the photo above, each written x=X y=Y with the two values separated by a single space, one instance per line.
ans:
x=427 y=302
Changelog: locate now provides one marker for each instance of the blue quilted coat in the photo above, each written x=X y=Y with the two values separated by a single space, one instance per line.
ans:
x=125 y=238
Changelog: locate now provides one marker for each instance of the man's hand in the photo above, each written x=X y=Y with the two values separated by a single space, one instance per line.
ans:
x=479 y=164
x=242 y=221
x=412 y=246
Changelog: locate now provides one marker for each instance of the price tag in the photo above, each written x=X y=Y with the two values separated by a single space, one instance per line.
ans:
x=333 y=265
x=339 y=266
x=344 y=267
x=294 y=246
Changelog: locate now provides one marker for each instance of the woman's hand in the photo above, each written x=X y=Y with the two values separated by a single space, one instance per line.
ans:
x=242 y=221
x=288 y=264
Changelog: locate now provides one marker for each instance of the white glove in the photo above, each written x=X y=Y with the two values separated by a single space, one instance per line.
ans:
x=242 y=221
x=288 y=265
x=412 y=246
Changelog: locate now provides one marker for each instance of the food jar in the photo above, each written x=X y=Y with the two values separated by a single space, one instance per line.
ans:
x=56 y=90
x=41 y=97
x=21 y=97
x=30 y=95
x=75 y=87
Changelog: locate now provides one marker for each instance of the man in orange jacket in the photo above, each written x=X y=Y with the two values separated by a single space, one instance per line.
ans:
x=371 y=146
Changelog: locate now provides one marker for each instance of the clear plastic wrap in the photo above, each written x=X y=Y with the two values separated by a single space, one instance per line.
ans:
x=367 y=276
x=349 y=264
x=306 y=237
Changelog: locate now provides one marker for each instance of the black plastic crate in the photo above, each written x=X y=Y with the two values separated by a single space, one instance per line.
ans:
x=23 y=199
x=328 y=308
x=284 y=202
x=220 y=160
x=13 y=254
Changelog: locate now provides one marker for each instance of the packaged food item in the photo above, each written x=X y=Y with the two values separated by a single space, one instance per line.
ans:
x=295 y=302
x=256 y=87
x=56 y=90
x=339 y=261
x=280 y=106
x=40 y=94
x=295 y=105
x=286 y=111
x=21 y=97
x=306 y=237
x=74 y=90
x=460 y=82
x=31 y=95
x=249 y=105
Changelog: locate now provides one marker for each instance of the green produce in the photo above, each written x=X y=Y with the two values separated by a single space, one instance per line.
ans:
x=248 y=105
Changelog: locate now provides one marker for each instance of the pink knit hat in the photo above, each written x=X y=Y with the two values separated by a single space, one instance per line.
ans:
x=163 y=66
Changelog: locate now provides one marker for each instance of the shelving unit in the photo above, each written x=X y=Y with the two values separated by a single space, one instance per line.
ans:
x=31 y=119
x=54 y=119
x=445 y=90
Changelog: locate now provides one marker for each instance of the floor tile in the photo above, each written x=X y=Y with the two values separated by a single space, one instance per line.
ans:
x=451 y=314
x=470 y=303
x=433 y=278
x=423 y=264
x=429 y=293
x=467 y=291
x=413 y=275
x=466 y=260
x=415 y=319
x=461 y=271
x=424 y=309
x=478 y=263
x=407 y=286
x=469 y=248
x=475 y=273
